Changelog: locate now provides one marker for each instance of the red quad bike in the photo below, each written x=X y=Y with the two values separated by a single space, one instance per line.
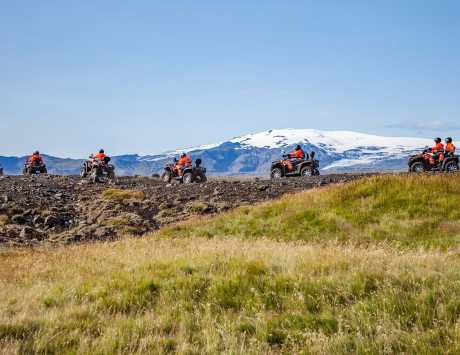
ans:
x=34 y=168
x=422 y=162
x=285 y=168
x=190 y=173
x=98 y=170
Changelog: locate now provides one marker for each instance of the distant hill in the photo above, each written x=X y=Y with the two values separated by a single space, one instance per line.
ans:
x=338 y=151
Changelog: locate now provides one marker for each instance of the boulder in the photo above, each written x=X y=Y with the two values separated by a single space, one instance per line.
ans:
x=31 y=233
x=52 y=221
x=19 y=219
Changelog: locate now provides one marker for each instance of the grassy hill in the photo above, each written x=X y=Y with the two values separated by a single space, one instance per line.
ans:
x=368 y=267
x=410 y=211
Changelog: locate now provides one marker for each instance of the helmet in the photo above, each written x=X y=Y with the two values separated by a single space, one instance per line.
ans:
x=36 y=152
x=298 y=147
x=437 y=140
x=101 y=151
x=183 y=155
x=449 y=140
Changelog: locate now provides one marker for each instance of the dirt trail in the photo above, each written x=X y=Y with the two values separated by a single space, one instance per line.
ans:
x=65 y=209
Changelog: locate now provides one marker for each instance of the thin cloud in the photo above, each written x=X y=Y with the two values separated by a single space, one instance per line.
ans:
x=434 y=125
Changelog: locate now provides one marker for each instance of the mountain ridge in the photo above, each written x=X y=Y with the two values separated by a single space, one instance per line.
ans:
x=338 y=151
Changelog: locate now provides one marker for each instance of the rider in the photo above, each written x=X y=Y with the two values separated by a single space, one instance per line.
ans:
x=296 y=156
x=437 y=151
x=36 y=158
x=450 y=147
x=297 y=153
x=101 y=155
x=184 y=161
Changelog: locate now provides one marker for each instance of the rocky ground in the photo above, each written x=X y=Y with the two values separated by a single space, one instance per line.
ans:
x=65 y=209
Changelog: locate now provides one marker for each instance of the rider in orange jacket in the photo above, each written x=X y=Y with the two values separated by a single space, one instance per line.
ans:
x=437 y=151
x=184 y=161
x=101 y=155
x=295 y=157
x=36 y=158
x=439 y=147
x=450 y=147
x=298 y=153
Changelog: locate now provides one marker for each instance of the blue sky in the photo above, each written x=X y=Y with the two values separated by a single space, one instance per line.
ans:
x=147 y=76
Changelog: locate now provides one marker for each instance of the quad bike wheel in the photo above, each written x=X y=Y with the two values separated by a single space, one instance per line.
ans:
x=187 y=178
x=166 y=177
x=94 y=177
x=43 y=170
x=276 y=173
x=451 y=167
x=111 y=174
x=417 y=167
x=306 y=171
x=84 y=171
x=201 y=178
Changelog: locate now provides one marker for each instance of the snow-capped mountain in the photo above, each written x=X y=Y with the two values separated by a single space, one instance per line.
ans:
x=336 y=141
x=337 y=150
x=253 y=153
x=352 y=148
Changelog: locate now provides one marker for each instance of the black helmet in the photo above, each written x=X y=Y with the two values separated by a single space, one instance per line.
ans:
x=101 y=151
x=36 y=152
x=449 y=140
x=437 y=140
x=183 y=155
x=298 y=147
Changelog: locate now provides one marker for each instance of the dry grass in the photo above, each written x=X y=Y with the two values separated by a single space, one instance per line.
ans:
x=243 y=293
x=229 y=295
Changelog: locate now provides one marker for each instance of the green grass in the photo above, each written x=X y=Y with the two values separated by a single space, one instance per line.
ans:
x=401 y=210
x=267 y=279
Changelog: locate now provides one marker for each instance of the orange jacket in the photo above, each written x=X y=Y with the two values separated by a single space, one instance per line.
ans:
x=298 y=154
x=450 y=148
x=185 y=161
x=439 y=148
x=99 y=156
x=36 y=158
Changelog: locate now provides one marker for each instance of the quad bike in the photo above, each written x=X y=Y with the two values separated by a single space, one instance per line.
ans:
x=189 y=175
x=98 y=170
x=422 y=162
x=285 y=167
x=34 y=168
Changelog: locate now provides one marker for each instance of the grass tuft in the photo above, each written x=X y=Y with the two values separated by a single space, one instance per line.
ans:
x=4 y=220
x=119 y=195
